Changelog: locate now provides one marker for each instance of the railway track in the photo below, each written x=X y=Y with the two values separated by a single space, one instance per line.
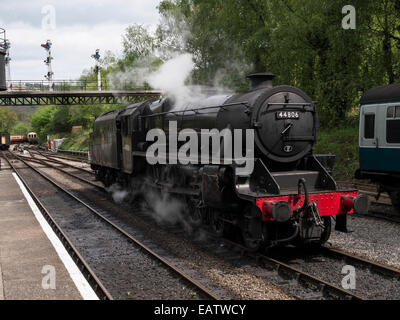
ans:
x=71 y=158
x=47 y=162
x=308 y=268
x=198 y=288
x=317 y=287
x=34 y=153
x=87 y=271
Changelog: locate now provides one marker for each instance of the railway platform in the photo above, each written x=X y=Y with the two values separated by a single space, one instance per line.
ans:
x=32 y=267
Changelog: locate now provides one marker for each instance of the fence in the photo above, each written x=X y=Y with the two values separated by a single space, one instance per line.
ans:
x=70 y=85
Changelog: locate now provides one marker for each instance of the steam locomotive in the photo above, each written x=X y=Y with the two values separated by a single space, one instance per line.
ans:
x=289 y=197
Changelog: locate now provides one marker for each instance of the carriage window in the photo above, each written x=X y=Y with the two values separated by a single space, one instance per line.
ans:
x=393 y=131
x=390 y=112
x=369 y=126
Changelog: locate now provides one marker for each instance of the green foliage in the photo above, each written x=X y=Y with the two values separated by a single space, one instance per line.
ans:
x=59 y=120
x=21 y=127
x=343 y=142
x=42 y=121
x=302 y=42
x=78 y=142
x=138 y=57
x=7 y=119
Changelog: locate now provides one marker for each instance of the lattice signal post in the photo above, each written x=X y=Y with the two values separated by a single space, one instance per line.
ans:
x=96 y=57
x=5 y=44
x=50 y=73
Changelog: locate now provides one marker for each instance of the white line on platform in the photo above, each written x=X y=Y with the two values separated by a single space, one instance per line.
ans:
x=77 y=277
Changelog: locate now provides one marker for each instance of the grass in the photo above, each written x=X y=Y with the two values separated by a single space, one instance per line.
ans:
x=78 y=141
x=342 y=142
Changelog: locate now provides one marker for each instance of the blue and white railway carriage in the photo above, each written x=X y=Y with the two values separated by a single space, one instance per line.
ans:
x=379 y=139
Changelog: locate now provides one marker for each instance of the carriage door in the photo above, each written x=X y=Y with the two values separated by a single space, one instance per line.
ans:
x=369 y=140
x=391 y=138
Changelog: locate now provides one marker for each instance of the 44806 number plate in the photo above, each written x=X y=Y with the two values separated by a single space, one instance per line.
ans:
x=288 y=115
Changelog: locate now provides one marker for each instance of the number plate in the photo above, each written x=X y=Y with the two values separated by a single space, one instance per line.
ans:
x=288 y=115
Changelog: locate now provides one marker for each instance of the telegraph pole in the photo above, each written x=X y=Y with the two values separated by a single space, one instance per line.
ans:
x=97 y=68
x=49 y=75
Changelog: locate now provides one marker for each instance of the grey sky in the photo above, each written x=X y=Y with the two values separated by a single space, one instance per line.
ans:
x=81 y=26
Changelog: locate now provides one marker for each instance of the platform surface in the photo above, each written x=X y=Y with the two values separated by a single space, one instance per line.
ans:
x=26 y=251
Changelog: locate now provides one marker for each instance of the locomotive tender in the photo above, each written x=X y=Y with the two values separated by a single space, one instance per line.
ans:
x=289 y=197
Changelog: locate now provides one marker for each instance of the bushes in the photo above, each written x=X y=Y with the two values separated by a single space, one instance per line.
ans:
x=343 y=142
x=78 y=141
x=57 y=121
x=8 y=118
x=21 y=127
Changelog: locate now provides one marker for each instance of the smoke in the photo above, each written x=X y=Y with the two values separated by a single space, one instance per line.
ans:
x=119 y=195
x=171 y=78
x=169 y=68
x=166 y=209
x=162 y=207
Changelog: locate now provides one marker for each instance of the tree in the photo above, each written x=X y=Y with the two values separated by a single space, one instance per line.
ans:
x=302 y=42
x=20 y=127
x=7 y=119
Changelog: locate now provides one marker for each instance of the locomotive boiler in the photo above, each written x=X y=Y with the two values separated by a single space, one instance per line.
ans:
x=288 y=197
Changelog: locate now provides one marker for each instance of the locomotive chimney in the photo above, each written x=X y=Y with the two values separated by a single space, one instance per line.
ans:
x=261 y=80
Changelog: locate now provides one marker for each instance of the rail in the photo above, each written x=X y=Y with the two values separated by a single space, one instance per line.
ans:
x=81 y=154
x=178 y=272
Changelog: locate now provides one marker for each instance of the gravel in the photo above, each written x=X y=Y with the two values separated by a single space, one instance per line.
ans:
x=228 y=280
x=125 y=270
x=371 y=238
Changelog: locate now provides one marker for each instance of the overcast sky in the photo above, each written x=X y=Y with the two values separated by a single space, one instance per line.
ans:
x=77 y=29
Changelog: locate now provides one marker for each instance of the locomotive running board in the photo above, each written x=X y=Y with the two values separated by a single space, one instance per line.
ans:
x=260 y=183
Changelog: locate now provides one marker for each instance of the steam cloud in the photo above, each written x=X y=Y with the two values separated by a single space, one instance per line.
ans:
x=163 y=208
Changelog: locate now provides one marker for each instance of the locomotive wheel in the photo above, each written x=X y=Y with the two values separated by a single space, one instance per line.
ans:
x=217 y=225
x=395 y=197
x=252 y=229
x=195 y=212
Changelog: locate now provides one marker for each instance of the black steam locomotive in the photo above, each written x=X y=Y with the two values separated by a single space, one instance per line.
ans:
x=289 y=197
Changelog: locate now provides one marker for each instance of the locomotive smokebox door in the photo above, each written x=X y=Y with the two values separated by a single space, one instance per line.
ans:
x=285 y=124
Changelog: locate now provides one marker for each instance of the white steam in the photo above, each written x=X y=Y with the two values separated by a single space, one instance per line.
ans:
x=118 y=194
x=171 y=78
x=162 y=207
x=167 y=210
